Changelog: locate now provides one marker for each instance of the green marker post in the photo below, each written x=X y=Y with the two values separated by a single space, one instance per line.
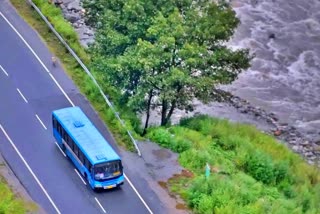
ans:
x=207 y=171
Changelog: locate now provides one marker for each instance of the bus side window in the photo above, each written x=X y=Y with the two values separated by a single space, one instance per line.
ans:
x=76 y=150
x=54 y=122
x=87 y=164
x=65 y=136
x=71 y=144
x=90 y=166
x=62 y=133
x=81 y=157
x=69 y=141
x=59 y=129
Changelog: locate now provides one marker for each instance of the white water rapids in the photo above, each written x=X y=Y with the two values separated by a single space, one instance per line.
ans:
x=284 y=78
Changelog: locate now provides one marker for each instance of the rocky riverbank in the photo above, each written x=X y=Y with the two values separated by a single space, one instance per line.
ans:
x=74 y=13
x=238 y=108
x=308 y=148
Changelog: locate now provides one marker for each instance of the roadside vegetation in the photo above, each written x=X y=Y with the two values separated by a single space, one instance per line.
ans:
x=11 y=203
x=251 y=172
x=147 y=61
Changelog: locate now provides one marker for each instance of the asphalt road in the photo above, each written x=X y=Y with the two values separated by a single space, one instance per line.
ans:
x=30 y=89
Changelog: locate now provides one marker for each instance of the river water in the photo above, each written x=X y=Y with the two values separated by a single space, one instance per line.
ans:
x=284 y=77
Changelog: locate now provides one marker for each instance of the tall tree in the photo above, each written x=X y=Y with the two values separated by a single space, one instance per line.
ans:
x=167 y=57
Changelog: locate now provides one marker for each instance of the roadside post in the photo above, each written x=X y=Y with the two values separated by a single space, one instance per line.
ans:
x=207 y=173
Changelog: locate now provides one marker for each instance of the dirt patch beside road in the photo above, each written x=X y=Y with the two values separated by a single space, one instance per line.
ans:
x=157 y=165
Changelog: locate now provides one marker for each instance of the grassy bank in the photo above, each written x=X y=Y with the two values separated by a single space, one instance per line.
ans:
x=250 y=171
x=11 y=203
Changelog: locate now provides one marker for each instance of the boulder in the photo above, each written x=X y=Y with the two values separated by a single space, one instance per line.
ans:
x=74 y=6
x=72 y=17
x=277 y=132
x=309 y=154
x=89 y=32
x=296 y=148
x=66 y=2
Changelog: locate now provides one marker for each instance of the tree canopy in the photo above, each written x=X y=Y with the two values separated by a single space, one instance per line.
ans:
x=165 y=53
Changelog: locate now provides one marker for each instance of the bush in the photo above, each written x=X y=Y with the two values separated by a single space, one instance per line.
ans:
x=281 y=171
x=50 y=11
x=161 y=136
x=260 y=166
x=193 y=122
x=194 y=159
x=8 y=202
x=166 y=139
x=230 y=142
x=66 y=30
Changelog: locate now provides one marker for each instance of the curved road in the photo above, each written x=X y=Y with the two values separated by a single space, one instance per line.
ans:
x=30 y=89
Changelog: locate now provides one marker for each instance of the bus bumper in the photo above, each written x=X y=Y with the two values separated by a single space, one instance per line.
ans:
x=109 y=184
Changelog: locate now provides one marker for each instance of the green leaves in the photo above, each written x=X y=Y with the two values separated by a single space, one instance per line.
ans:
x=173 y=49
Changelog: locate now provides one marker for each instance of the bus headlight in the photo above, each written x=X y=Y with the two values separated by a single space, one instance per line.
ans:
x=97 y=185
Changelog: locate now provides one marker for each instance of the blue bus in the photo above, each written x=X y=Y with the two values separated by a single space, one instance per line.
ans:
x=86 y=147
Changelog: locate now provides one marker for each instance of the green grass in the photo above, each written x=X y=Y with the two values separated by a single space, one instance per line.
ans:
x=11 y=203
x=251 y=172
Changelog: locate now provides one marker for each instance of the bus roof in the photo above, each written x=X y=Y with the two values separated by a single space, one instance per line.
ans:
x=85 y=135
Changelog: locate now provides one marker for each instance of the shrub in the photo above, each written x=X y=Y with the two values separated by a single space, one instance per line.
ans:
x=193 y=122
x=230 y=142
x=66 y=30
x=281 y=171
x=194 y=159
x=180 y=145
x=50 y=11
x=166 y=139
x=39 y=2
x=260 y=166
x=8 y=202
x=287 y=189
x=161 y=136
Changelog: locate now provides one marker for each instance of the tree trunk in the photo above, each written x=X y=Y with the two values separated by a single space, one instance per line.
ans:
x=173 y=106
x=148 y=113
x=164 y=113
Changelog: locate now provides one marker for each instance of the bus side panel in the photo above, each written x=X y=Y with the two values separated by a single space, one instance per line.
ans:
x=89 y=179
x=73 y=159
x=80 y=167
x=57 y=136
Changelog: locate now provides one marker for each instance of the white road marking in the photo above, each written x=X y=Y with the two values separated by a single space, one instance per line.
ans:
x=67 y=97
x=22 y=95
x=60 y=149
x=136 y=191
x=41 y=122
x=4 y=71
x=37 y=57
x=100 y=205
x=80 y=177
x=30 y=170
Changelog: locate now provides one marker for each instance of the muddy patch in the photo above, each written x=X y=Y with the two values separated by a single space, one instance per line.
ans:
x=157 y=166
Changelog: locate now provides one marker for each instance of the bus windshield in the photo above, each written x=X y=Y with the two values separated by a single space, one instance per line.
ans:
x=107 y=170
